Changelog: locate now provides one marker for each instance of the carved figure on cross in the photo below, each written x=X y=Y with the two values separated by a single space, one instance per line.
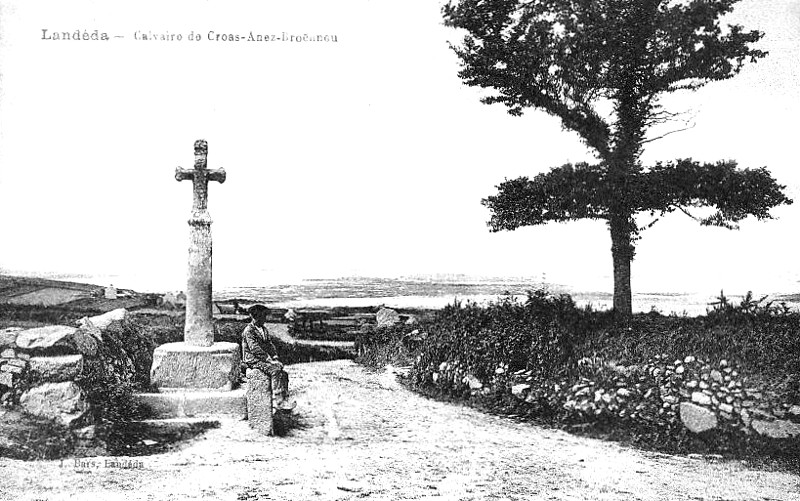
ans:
x=200 y=175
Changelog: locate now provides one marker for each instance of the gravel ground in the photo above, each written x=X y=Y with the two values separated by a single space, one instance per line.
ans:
x=366 y=437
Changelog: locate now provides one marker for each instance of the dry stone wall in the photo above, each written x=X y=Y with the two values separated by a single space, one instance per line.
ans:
x=41 y=368
x=700 y=394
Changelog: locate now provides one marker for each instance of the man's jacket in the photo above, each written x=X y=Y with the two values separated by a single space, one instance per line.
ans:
x=256 y=346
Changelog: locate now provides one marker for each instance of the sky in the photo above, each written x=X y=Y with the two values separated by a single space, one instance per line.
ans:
x=361 y=157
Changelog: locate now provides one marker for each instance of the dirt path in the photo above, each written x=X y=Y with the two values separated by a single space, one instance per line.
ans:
x=369 y=438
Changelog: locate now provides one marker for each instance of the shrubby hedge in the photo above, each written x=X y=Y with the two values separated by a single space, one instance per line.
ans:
x=547 y=359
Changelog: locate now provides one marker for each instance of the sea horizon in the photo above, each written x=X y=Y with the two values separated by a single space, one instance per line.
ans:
x=425 y=291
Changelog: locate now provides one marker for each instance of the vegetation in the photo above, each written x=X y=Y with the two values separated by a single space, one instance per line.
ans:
x=575 y=59
x=585 y=370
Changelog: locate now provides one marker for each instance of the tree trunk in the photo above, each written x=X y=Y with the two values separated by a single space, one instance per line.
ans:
x=622 y=255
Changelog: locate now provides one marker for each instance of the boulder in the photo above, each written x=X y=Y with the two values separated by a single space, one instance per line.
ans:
x=776 y=429
x=387 y=317
x=103 y=321
x=6 y=379
x=697 y=419
x=64 y=402
x=56 y=369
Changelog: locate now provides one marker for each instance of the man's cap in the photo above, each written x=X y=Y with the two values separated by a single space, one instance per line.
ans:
x=256 y=309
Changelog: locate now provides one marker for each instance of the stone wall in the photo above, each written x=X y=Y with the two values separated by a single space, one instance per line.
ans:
x=41 y=369
x=701 y=395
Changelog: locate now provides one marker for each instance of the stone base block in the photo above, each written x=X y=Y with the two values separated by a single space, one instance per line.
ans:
x=231 y=404
x=181 y=365
x=259 y=401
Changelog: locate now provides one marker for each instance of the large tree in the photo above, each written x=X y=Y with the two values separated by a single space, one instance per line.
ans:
x=576 y=58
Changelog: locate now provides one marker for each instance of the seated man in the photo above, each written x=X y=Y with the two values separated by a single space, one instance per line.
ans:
x=258 y=352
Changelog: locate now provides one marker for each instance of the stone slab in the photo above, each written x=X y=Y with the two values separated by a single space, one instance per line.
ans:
x=776 y=429
x=181 y=365
x=259 y=401
x=56 y=369
x=103 y=321
x=232 y=404
x=44 y=337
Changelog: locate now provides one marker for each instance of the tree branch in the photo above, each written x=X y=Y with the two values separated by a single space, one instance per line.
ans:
x=662 y=136
x=688 y=214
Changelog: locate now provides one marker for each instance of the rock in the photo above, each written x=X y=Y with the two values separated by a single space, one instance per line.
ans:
x=411 y=320
x=435 y=377
x=87 y=327
x=56 y=369
x=103 y=321
x=726 y=408
x=63 y=402
x=701 y=398
x=688 y=359
x=259 y=401
x=776 y=429
x=746 y=418
x=387 y=317
x=15 y=369
x=6 y=379
x=723 y=363
x=518 y=389
x=716 y=376
x=8 y=353
x=45 y=337
x=290 y=315
x=697 y=419
x=8 y=336
x=473 y=382
x=623 y=392
x=85 y=342
x=680 y=369
x=692 y=384
x=794 y=410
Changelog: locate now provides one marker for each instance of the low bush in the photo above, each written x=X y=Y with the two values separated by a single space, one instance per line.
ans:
x=122 y=367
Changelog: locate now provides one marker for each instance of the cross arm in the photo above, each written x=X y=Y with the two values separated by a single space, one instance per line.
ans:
x=216 y=175
x=183 y=174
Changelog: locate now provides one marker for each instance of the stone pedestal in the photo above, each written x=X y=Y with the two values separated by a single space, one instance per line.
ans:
x=188 y=367
x=195 y=404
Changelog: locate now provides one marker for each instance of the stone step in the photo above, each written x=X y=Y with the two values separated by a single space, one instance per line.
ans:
x=182 y=404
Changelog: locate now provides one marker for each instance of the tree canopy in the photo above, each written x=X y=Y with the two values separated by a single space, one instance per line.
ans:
x=601 y=67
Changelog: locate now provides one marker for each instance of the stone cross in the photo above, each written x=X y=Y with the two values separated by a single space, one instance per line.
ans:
x=199 y=329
